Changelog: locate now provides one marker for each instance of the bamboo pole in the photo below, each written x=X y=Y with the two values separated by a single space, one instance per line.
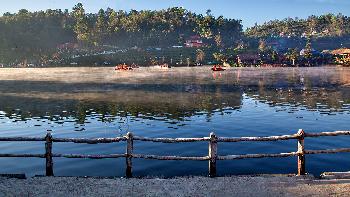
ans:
x=129 y=151
x=251 y=156
x=73 y=156
x=157 y=157
x=268 y=138
x=322 y=134
x=328 y=151
x=23 y=155
x=170 y=140
x=212 y=154
x=48 y=155
x=301 y=153
x=89 y=141
x=20 y=139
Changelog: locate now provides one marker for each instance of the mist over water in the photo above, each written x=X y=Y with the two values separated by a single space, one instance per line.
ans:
x=179 y=102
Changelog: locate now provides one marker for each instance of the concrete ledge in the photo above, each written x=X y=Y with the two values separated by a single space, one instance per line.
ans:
x=335 y=175
x=262 y=185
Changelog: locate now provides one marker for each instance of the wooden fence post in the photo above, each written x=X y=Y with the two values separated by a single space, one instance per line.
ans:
x=129 y=151
x=48 y=154
x=301 y=153
x=212 y=154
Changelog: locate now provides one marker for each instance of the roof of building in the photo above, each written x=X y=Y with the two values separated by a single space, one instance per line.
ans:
x=341 y=51
x=313 y=52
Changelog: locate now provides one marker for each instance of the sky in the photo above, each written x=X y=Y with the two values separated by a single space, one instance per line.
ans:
x=249 y=11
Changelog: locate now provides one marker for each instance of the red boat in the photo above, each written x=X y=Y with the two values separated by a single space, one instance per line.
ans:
x=123 y=67
x=217 y=68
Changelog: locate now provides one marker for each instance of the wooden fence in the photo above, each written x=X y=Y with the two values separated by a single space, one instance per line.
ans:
x=212 y=156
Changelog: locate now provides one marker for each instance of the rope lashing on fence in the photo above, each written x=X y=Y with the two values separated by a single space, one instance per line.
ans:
x=212 y=156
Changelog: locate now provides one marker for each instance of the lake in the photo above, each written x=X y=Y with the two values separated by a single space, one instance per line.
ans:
x=179 y=102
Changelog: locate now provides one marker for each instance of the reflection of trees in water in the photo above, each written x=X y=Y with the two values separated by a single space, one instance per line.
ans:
x=173 y=97
x=168 y=107
x=165 y=107
x=330 y=99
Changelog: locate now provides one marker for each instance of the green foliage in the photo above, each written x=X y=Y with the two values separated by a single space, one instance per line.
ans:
x=32 y=35
x=81 y=25
x=35 y=37
x=318 y=26
x=200 y=55
x=292 y=55
x=220 y=57
x=218 y=40
x=308 y=49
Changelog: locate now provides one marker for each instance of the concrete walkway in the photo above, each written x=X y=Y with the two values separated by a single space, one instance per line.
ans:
x=182 y=186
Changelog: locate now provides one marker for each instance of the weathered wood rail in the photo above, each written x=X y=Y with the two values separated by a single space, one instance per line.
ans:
x=212 y=156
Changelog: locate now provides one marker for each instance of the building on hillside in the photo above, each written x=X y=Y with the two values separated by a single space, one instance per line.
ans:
x=341 y=56
x=313 y=52
x=341 y=52
x=194 y=41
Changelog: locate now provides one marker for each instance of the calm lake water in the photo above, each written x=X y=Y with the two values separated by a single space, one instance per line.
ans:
x=237 y=102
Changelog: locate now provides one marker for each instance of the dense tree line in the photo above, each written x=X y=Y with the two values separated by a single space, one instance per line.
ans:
x=36 y=34
x=35 y=37
x=152 y=28
x=328 y=25
x=33 y=34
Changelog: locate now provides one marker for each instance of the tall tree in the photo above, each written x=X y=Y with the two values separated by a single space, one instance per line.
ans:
x=308 y=49
x=81 y=25
x=101 y=22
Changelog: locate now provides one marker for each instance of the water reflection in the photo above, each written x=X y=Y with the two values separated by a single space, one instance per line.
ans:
x=239 y=102
x=160 y=105
x=324 y=100
x=148 y=105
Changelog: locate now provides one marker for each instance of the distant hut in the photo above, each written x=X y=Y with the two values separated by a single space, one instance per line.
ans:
x=313 y=52
x=341 y=56
x=194 y=41
x=341 y=52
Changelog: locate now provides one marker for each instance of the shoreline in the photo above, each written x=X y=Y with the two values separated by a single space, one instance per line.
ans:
x=184 y=66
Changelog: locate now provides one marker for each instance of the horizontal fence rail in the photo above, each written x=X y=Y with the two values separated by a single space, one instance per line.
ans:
x=212 y=156
x=269 y=138
x=171 y=140
x=90 y=141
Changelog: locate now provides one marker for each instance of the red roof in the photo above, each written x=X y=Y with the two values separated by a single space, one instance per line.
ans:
x=194 y=41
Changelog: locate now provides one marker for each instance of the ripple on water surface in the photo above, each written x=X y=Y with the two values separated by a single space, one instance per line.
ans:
x=252 y=103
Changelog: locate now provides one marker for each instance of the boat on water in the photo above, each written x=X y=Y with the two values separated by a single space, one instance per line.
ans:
x=217 y=68
x=125 y=67
x=162 y=66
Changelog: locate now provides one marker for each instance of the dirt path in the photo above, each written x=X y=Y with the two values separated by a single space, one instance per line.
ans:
x=192 y=186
